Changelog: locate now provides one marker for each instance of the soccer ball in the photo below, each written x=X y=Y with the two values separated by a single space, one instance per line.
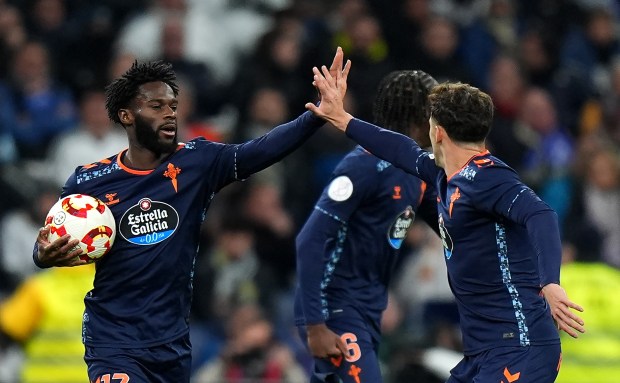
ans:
x=85 y=218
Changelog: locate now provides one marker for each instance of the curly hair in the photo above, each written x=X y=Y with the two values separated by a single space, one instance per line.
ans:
x=464 y=111
x=121 y=91
x=402 y=100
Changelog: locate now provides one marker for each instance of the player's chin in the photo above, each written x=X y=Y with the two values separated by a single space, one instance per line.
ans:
x=168 y=145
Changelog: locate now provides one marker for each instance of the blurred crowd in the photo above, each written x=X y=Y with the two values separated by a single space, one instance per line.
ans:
x=552 y=68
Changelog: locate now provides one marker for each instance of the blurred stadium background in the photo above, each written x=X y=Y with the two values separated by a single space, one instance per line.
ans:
x=551 y=66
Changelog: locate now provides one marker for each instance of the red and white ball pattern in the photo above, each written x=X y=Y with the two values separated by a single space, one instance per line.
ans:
x=85 y=218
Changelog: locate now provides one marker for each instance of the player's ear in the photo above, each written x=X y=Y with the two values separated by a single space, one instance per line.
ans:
x=440 y=133
x=125 y=116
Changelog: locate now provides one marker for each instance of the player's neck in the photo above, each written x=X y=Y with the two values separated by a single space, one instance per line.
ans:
x=142 y=159
x=458 y=154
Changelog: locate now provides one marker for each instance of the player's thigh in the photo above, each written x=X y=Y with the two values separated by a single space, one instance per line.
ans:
x=362 y=370
x=163 y=364
x=533 y=364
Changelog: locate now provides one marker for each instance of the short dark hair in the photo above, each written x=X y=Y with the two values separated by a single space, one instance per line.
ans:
x=122 y=90
x=402 y=100
x=464 y=111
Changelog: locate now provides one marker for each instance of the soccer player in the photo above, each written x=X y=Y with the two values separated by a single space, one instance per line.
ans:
x=501 y=242
x=135 y=324
x=348 y=249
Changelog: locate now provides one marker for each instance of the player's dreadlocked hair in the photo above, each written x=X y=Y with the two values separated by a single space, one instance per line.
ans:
x=122 y=90
x=401 y=102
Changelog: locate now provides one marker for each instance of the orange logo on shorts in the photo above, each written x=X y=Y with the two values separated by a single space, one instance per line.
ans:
x=511 y=377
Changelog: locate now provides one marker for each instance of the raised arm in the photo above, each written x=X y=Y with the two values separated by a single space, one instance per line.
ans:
x=258 y=154
x=400 y=150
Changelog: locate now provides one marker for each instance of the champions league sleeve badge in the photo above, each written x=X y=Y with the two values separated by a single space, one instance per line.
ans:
x=340 y=189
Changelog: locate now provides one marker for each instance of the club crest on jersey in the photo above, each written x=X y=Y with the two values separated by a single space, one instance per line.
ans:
x=398 y=230
x=448 y=246
x=148 y=222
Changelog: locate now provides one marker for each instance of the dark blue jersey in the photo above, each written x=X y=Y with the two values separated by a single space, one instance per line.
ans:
x=347 y=250
x=143 y=286
x=501 y=242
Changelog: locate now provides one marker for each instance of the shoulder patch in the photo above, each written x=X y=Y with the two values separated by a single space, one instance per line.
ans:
x=340 y=189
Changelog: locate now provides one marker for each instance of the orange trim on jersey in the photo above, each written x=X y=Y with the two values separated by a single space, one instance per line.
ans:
x=104 y=161
x=422 y=191
x=455 y=195
x=468 y=161
x=483 y=162
x=119 y=160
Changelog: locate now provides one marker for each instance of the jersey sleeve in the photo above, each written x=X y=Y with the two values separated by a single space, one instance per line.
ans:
x=259 y=153
x=70 y=187
x=427 y=211
x=500 y=192
x=21 y=313
x=398 y=149
x=236 y=162
x=339 y=200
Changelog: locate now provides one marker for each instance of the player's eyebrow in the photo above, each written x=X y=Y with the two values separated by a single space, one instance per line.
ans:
x=163 y=100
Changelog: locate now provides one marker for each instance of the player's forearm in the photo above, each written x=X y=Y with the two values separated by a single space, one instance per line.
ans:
x=260 y=153
x=398 y=149
x=311 y=265
x=545 y=235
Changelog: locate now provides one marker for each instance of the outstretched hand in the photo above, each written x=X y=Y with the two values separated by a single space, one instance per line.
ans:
x=332 y=86
x=64 y=251
x=561 y=306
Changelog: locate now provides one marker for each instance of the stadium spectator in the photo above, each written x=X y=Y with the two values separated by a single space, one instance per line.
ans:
x=546 y=162
x=585 y=58
x=251 y=353
x=13 y=34
x=42 y=108
x=18 y=226
x=196 y=72
x=596 y=357
x=44 y=315
x=423 y=291
x=594 y=215
x=494 y=31
x=507 y=87
x=94 y=139
x=438 y=54
x=363 y=39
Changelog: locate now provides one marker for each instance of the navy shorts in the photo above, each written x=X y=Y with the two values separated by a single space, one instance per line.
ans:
x=533 y=364
x=167 y=363
x=361 y=365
